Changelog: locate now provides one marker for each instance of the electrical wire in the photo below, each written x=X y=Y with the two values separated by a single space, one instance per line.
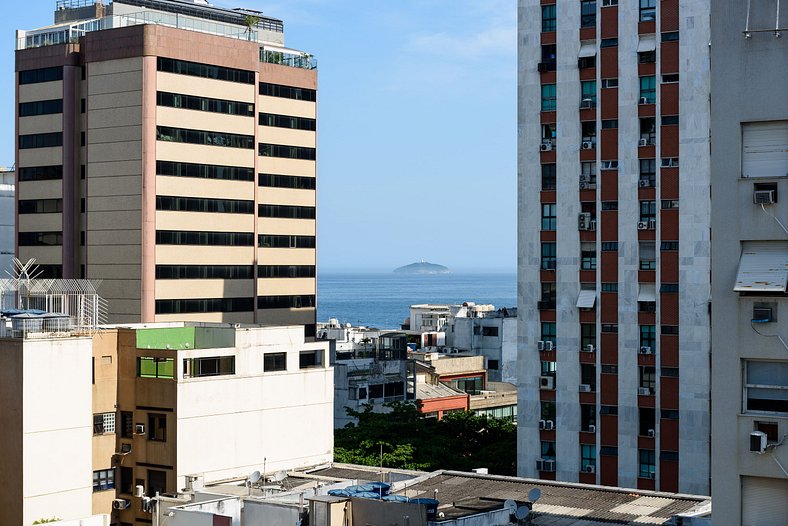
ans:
x=774 y=217
x=752 y=324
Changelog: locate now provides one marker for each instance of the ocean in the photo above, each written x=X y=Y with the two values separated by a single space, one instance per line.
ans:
x=382 y=300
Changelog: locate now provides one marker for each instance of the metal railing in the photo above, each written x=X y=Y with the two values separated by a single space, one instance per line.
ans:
x=300 y=60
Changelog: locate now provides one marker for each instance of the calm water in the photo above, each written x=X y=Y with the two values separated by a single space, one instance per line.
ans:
x=382 y=300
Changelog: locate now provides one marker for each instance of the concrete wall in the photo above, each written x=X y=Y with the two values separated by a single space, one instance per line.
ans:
x=7 y=221
x=750 y=87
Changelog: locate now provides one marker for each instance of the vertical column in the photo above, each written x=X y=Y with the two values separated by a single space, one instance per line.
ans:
x=71 y=172
x=148 y=195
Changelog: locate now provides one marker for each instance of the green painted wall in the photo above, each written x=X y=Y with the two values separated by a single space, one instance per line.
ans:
x=166 y=338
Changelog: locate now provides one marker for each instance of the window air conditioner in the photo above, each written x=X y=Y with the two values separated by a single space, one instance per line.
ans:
x=652 y=475
x=546 y=383
x=763 y=197
x=585 y=388
x=591 y=429
x=583 y=185
x=546 y=147
x=645 y=350
x=139 y=429
x=642 y=225
x=644 y=391
x=548 y=346
x=589 y=348
x=651 y=433
x=586 y=103
x=539 y=464
x=762 y=315
x=541 y=424
x=583 y=220
x=587 y=145
x=643 y=100
x=120 y=504
x=592 y=225
x=549 y=465
x=589 y=469
x=585 y=178
x=540 y=345
x=652 y=224
x=644 y=183
x=541 y=67
x=549 y=425
x=758 y=442
x=643 y=142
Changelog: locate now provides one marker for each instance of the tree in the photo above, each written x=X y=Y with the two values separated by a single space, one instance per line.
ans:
x=250 y=21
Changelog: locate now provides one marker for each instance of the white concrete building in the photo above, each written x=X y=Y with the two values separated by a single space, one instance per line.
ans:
x=7 y=220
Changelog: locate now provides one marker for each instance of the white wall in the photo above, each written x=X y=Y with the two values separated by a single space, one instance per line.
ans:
x=57 y=429
x=228 y=425
x=6 y=221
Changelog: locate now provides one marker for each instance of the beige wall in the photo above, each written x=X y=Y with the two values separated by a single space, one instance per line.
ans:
x=285 y=286
x=287 y=196
x=40 y=189
x=105 y=358
x=286 y=256
x=212 y=221
x=204 y=288
x=212 y=188
x=194 y=255
x=11 y=430
x=275 y=225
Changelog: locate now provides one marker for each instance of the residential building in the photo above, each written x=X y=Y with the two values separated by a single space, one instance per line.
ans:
x=614 y=243
x=428 y=317
x=7 y=220
x=169 y=149
x=749 y=160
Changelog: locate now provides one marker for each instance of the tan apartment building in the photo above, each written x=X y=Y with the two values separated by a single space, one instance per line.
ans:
x=169 y=149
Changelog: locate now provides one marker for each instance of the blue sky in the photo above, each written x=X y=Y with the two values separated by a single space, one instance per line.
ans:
x=416 y=122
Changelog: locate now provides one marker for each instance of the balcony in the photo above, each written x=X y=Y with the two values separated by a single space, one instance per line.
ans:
x=293 y=59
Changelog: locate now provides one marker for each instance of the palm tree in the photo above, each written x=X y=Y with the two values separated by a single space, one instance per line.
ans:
x=250 y=21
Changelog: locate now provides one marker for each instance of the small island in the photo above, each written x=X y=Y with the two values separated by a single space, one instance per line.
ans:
x=422 y=267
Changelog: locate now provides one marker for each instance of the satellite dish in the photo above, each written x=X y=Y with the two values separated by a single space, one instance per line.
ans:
x=279 y=476
x=510 y=505
x=254 y=477
x=534 y=495
x=522 y=512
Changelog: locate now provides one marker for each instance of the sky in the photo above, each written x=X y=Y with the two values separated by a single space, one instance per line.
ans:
x=416 y=125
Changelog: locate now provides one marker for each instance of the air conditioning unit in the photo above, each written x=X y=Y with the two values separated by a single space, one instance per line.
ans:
x=589 y=348
x=643 y=142
x=591 y=429
x=583 y=185
x=541 y=424
x=585 y=178
x=541 y=67
x=549 y=425
x=548 y=346
x=758 y=442
x=589 y=469
x=763 y=197
x=651 y=433
x=139 y=491
x=540 y=345
x=120 y=504
x=549 y=465
x=642 y=225
x=652 y=475
x=546 y=147
x=644 y=100
x=546 y=383
x=592 y=225
x=587 y=145
x=762 y=315
x=139 y=429
x=583 y=220
x=539 y=464
x=652 y=224
x=645 y=350
x=586 y=103
x=644 y=183
x=644 y=391
x=585 y=388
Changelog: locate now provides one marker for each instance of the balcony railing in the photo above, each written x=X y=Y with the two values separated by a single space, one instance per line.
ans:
x=284 y=58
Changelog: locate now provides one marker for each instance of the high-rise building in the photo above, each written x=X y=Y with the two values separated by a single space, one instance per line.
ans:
x=168 y=147
x=749 y=160
x=614 y=243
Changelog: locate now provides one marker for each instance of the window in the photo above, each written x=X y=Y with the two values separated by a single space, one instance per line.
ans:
x=587 y=457
x=548 y=450
x=103 y=423
x=608 y=451
x=208 y=366
x=766 y=386
x=609 y=246
x=274 y=361
x=284 y=241
x=647 y=419
x=669 y=120
x=40 y=107
x=477 y=330
x=588 y=133
x=35 y=76
x=587 y=416
x=668 y=78
x=157 y=482
x=548 y=296
x=286 y=211
x=587 y=335
x=608 y=410
x=193 y=102
x=588 y=169
x=648 y=336
x=647 y=57
x=286 y=271
x=287 y=181
x=609 y=83
x=608 y=3
x=548 y=368
x=548 y=177
x=609 y=328
x=670 y=162
x=310 y=359
x=186 y=306
x=609 y=124
x=648 y=89
x=764 y=148
x=204 y=137
x=195 y=69
x=669 y=414
x=670 y=372
x=157 y=427
x=548 y=18
x=669 y=203
x=610 y=165
x=126 y=424
x=287 y=92
x=547 y=411
x=40 y=173
x=126 y=480
x=549 y=56
x=587 y=13
x=287 y=121
x=303 y=301
x=609 y=206
x=671 y=36
x=493 y=364
x=588 y=94
x=489 y=331
x=548 y=256
x=648 y=210
x=549 y=220
x=204 y=271
x=648 y=131
x=471 y=386
x=204 y=171
x=39 y=206
x=83 y=105
x=609 y=287
x=191 y=237
x=648 y=377
x=548 y=133
x=587 y=256
x=40 y=140
x=103 y=479
x=666 y=246
x=199 y=204
x=648 y=172
x=548 y=97
x=608 y=42
x=149 y=367
x=647 y=463
x=648 y=10
x=588 y=375
x=548 y=331
x=669 y=287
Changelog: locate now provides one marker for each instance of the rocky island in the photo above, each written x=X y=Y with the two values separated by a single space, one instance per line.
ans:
x=422 y=267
